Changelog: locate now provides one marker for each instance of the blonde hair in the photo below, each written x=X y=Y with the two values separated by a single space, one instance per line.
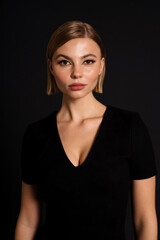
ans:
x=67 y=31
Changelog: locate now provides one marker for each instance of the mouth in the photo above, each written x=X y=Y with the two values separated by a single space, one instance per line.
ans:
x=77 y=85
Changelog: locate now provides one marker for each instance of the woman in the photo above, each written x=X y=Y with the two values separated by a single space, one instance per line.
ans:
x=84 y=159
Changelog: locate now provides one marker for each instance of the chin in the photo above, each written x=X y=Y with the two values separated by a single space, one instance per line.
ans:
x=75 y=94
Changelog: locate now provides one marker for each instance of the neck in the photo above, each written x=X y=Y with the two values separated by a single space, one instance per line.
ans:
x=76 y=109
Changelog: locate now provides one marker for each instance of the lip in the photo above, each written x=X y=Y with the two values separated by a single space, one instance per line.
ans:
x=77 y=84
x=77 y=87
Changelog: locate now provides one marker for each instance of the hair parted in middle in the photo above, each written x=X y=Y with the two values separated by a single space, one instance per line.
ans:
x=68 y=31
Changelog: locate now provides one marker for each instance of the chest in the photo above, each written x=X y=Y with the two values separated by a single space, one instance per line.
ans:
x=78 y=140
x=101 y=150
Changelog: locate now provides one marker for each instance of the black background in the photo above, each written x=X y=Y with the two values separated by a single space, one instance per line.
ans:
x=130 y=31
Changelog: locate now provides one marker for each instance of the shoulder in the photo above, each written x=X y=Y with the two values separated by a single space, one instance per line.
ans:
x=123 y=112
x=41 y=128
x=122 y=116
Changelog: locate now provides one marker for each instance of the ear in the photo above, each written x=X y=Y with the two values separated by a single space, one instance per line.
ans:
x=102 y=64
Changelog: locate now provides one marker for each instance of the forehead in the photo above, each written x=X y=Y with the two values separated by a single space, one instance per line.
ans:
x=79 y=46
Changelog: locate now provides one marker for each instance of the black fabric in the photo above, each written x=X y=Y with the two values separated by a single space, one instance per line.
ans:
x=88 y=201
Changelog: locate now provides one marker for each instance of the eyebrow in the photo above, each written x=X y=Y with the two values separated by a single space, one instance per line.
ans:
x=87 y=55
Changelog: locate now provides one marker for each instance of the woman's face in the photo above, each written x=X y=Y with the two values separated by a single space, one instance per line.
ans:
x=77 y=61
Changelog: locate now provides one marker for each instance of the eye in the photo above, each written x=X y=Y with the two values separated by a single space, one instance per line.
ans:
x=89 y=61
x=63 y=62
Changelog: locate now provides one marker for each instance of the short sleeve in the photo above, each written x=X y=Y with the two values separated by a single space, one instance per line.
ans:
x=143 y=164
x=29 y=157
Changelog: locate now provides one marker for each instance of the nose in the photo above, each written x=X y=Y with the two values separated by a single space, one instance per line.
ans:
x=76 y=71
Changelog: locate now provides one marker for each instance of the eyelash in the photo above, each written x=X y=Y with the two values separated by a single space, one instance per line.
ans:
x=63 y=62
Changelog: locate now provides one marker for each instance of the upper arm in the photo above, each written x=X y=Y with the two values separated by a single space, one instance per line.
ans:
x=143 y=197
x=31 y=206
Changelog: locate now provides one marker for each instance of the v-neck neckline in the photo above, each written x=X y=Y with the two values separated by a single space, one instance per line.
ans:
x=93 y=147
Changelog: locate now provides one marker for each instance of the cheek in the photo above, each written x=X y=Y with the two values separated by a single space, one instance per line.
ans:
x=92 y=73
x=89 y=73
x=60 y=75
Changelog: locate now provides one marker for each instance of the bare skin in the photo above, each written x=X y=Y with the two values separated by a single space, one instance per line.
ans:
x=71 y=135
x=30 y=213
x=144 y=212
x=75 y=120
x=79 y=119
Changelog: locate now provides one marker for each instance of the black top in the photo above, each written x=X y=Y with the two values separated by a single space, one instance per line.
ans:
x=88 y=201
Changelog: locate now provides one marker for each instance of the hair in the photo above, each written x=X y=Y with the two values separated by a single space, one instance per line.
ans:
x=68 y=31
